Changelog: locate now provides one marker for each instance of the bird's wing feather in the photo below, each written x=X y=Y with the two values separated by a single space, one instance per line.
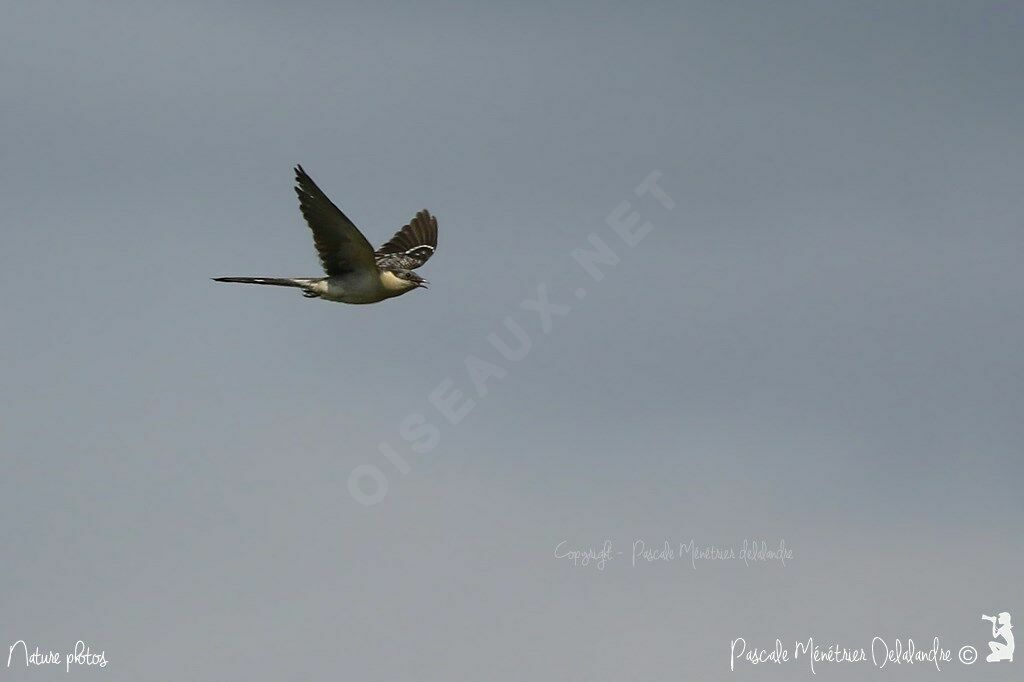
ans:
x=342 y=247
x=413 y=245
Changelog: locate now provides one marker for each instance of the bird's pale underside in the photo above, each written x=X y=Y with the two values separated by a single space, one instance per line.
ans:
x=356 y=273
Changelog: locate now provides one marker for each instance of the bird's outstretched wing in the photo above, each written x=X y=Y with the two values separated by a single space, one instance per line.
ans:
x=413 y=245
x=342 y=247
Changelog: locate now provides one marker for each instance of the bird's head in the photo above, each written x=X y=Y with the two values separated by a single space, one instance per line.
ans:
x=407 y=279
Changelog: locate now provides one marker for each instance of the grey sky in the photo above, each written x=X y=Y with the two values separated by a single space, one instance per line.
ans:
x=820 y=342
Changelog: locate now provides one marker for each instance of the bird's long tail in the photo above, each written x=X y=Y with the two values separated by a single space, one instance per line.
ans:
x=299 y=282
x=274 y=281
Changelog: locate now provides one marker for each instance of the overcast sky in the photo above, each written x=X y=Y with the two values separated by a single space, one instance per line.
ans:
x=817 y=339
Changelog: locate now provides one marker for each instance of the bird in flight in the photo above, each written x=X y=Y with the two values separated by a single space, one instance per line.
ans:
x=356 y=273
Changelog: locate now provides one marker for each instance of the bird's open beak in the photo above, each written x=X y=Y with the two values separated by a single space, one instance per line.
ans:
x=422 y=284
